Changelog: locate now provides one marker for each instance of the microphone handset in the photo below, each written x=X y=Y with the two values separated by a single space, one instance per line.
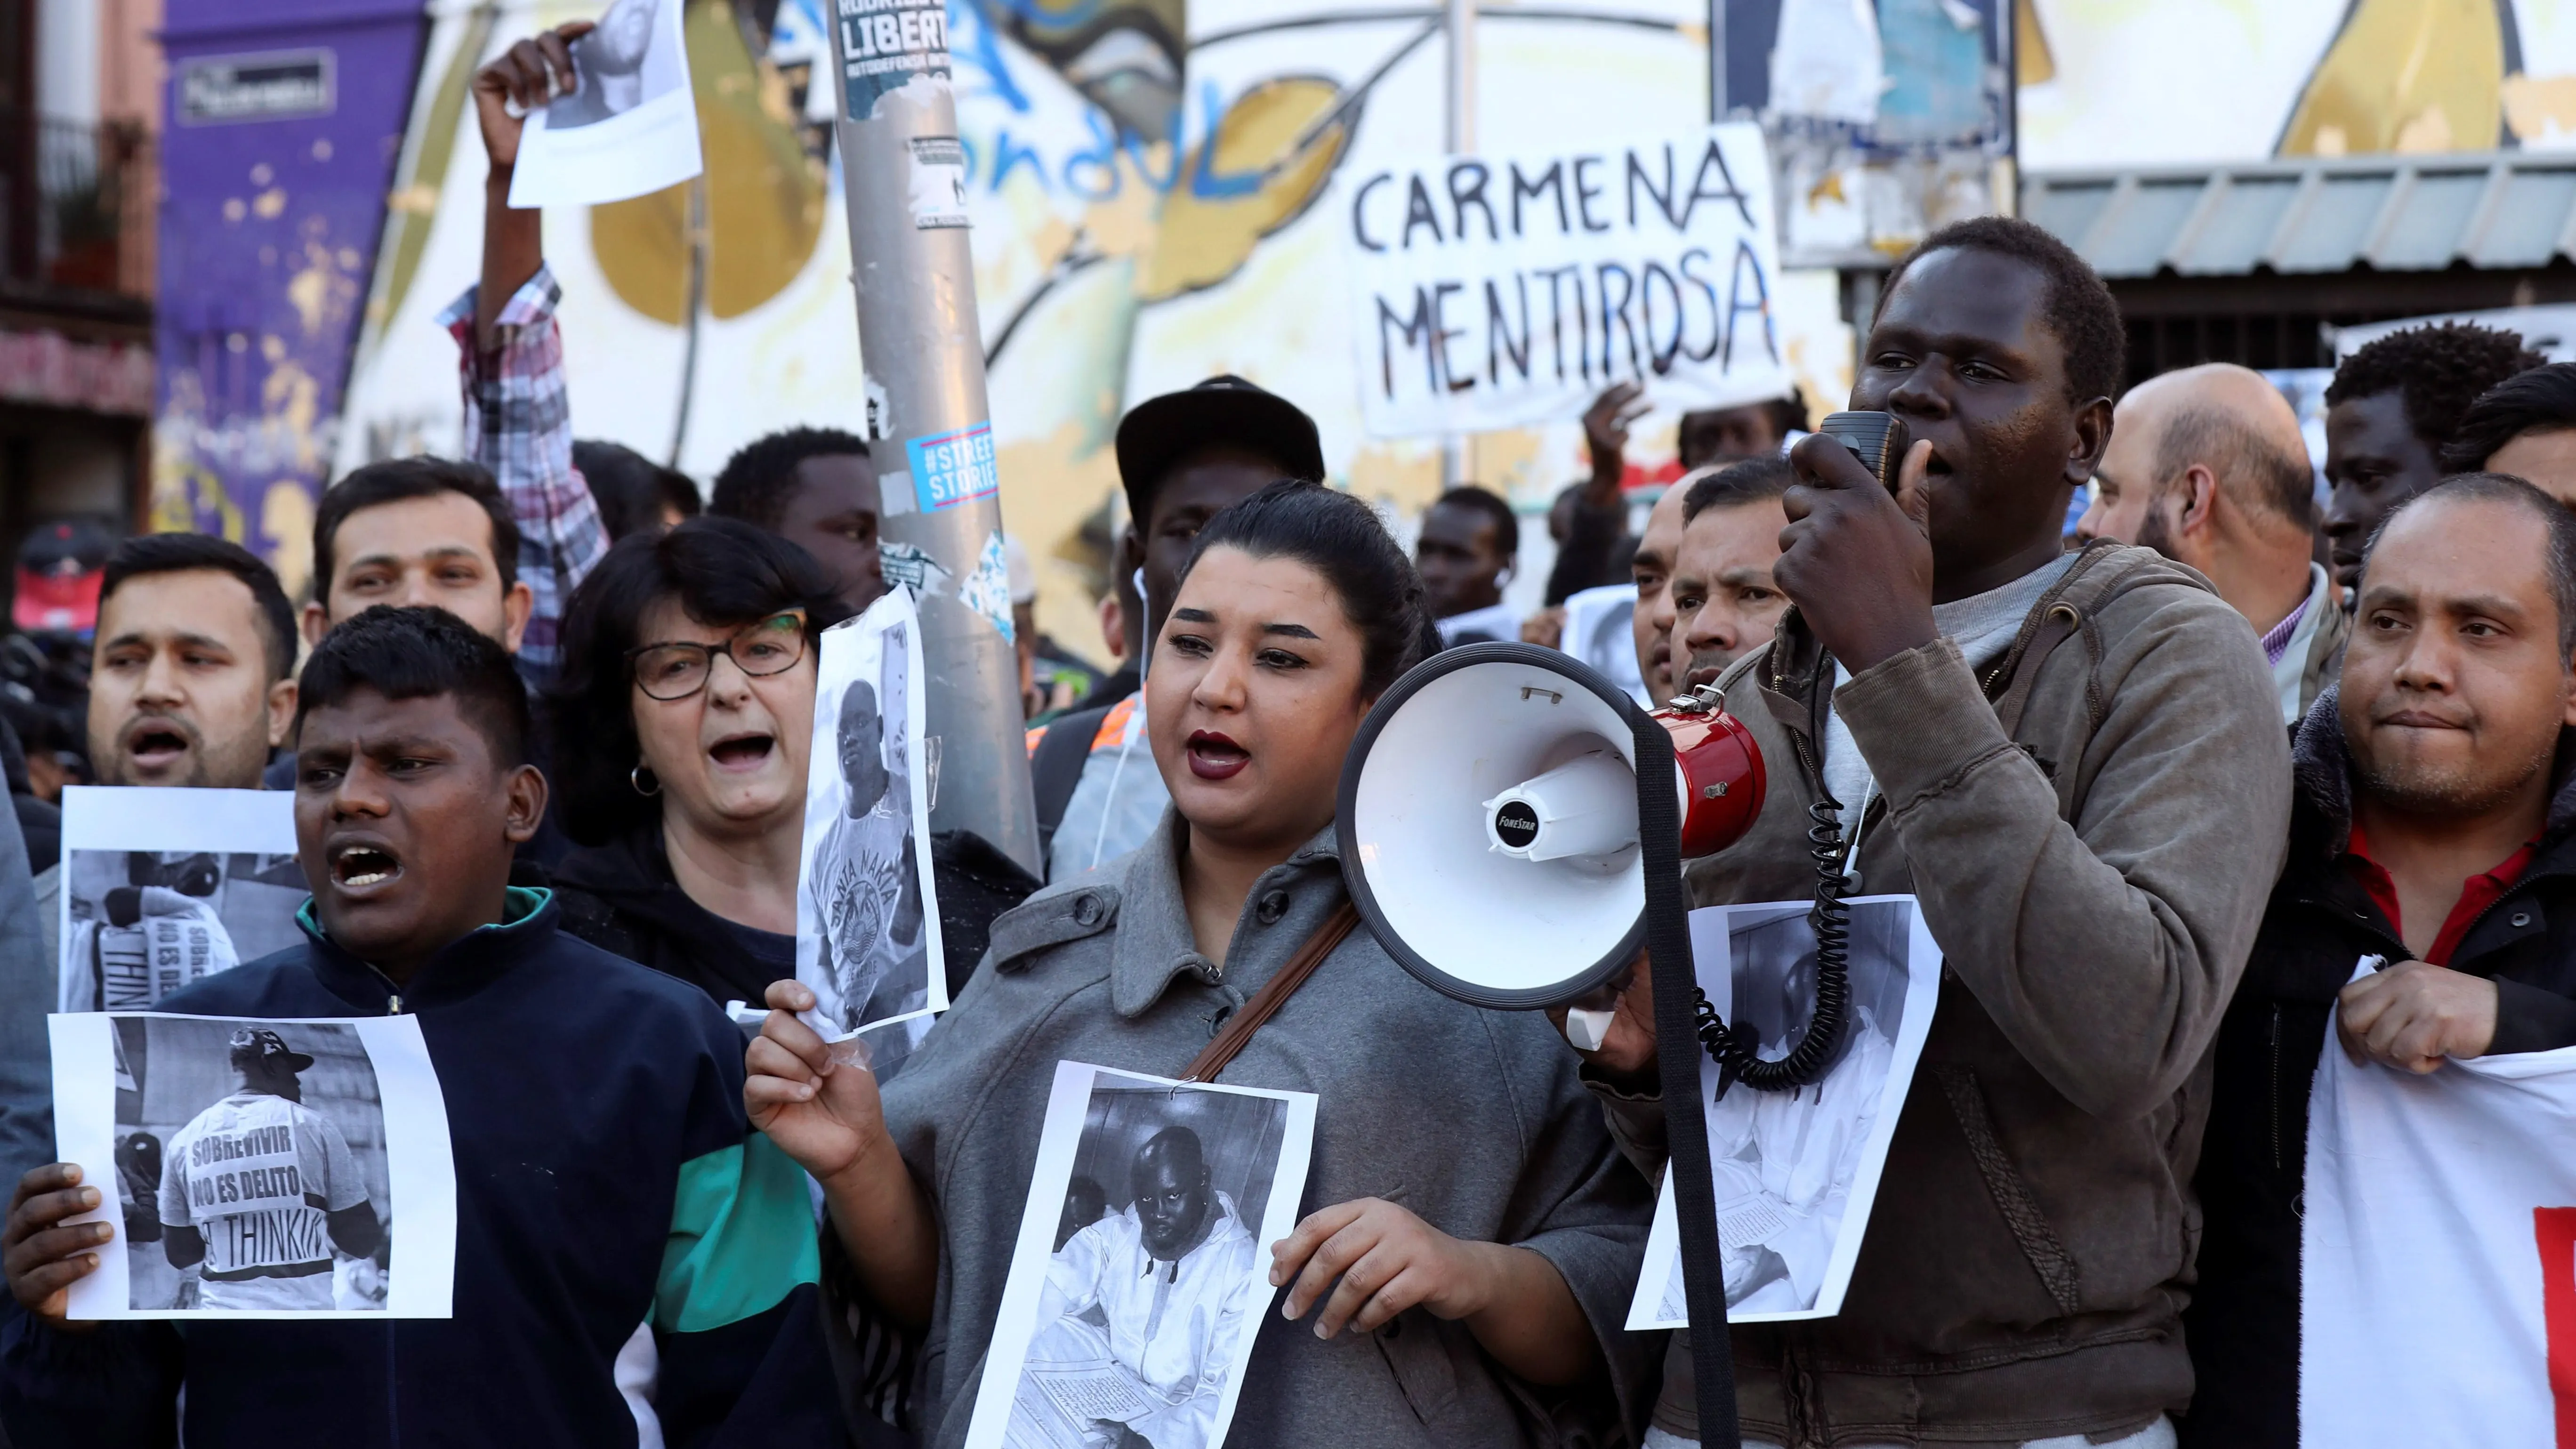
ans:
x=1879 y=440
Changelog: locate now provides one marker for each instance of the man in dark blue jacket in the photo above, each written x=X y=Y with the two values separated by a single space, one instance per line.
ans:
x=632 y=1262
x=2434 y=827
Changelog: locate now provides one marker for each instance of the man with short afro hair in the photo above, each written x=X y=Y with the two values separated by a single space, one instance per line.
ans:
x=2392 y=408
x=2076 y=308
x=816 y=488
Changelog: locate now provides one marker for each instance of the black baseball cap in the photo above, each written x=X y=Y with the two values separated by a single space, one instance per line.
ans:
x=1224 y=411
x=259 y=1044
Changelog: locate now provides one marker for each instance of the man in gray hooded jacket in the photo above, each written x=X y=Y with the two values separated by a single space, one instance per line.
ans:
x=2076 y=763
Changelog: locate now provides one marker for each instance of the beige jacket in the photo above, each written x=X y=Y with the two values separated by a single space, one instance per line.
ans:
x=2094 y=880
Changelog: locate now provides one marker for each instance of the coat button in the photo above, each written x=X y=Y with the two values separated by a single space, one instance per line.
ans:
x=1272 y=907
x=1086 y=909
x=2522 y=918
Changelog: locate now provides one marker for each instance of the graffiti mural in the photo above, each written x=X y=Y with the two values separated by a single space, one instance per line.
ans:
x=1150 y=186
x=2113 y=83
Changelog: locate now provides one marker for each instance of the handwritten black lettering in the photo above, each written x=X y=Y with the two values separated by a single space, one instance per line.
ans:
x=1587 y=191
x=1359 y=200
x=1473 y=194
x=1449 y=374
x=1727 y=190
x=1418 y=212
x=1747 y=273
x=1498 y=332
x=1663 y=195
x=1551 y=182
x=1417 y=333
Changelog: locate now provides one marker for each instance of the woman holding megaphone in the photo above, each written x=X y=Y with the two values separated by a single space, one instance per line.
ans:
x=1475 y=1231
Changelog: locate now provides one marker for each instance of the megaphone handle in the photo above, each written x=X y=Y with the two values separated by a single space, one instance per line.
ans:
x=1677 y=1056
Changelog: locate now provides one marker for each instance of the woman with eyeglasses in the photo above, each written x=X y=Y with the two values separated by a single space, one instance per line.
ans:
x=680 y=725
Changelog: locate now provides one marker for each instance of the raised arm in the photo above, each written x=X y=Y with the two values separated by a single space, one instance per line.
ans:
x=518 y=418
x=827 y=1117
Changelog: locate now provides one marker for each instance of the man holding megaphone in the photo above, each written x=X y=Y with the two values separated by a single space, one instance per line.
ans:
x=2076 y=762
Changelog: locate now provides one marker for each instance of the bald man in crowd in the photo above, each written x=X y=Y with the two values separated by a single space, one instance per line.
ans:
x=2206 y=466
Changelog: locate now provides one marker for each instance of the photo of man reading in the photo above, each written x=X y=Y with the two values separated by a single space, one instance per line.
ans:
x=1137 y=1313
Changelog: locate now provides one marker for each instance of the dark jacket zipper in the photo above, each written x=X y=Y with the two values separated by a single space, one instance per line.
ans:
x=2276 y=1086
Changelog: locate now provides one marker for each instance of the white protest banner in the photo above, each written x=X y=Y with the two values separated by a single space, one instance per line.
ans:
x=1500 y=291
x=2437 y=1253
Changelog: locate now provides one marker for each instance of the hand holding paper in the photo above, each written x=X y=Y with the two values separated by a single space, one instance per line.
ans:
x=823 y=1113
x=521 y=80
x=43 y=1257
x=2414 y=1016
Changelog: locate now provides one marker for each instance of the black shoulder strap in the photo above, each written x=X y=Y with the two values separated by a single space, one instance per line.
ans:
x=1056 y=766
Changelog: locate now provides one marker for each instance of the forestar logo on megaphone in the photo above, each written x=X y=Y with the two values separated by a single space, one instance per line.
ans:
x=1488 y=820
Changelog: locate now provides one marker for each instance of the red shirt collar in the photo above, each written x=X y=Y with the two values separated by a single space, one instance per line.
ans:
x=2476 y=893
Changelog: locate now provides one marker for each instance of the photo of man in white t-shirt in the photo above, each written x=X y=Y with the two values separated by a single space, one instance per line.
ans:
x=259 y=1190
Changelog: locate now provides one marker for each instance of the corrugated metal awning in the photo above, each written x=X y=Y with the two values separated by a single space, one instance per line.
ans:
x=2500 y=209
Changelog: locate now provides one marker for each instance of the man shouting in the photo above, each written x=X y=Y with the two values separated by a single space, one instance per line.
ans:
x=2076 y=762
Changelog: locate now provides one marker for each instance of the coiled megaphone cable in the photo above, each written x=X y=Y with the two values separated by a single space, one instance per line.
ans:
x=1736 y=1049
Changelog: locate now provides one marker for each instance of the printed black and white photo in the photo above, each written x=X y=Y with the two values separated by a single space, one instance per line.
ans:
x=254 y=1165
x=1142 y=1268
x=628 y=127
x=158 y=893
x=1795 y=1172
x=618 y=67
x=867 y=923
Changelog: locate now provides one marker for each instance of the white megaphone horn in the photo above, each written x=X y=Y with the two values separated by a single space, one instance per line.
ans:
x=1489 y=827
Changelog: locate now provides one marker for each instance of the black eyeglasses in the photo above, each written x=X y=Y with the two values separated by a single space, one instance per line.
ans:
x=678 y=669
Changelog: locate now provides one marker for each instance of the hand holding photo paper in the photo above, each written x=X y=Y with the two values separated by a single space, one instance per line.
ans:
x=630 y=125
x=867 y=922
x=1142 y=1269
x=1796 y=1172
x=162 y=888
x=259 y=1169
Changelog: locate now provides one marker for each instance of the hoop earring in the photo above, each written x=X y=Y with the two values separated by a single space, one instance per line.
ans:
x=641 y=773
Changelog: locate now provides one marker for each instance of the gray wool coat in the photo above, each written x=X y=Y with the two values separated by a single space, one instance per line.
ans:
x=1472 y=1119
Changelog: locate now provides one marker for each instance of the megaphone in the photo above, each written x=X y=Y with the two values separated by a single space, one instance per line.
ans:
x=1488 y=820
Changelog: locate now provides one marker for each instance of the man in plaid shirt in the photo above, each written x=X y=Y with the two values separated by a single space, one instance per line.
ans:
x=500 y=541
x=518 y=414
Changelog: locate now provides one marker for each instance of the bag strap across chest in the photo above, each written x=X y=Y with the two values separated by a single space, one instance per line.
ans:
x=1274 y=994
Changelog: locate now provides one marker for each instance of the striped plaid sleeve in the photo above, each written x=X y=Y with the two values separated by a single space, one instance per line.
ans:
x=518 y=424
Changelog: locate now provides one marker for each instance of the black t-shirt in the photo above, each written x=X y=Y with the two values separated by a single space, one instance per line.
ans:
x=769 y=948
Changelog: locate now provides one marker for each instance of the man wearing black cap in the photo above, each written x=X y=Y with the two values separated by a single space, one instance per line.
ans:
x=1182 y=458
x=260 y=1189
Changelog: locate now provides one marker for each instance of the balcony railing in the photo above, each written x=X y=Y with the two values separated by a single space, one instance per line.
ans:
x=75 y=207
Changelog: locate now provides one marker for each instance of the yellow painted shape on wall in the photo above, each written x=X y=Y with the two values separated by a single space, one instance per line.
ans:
x=286 y=517
x=1204 y=239
x=2033 y=63
x=2538 y=105
x=2408 y=76
x=1050 y=485
x=765 y=196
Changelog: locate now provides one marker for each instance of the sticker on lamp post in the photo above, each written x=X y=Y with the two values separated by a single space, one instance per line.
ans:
x=953 y=468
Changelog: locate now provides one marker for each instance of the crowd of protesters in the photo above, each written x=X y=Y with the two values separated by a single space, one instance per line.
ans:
x=2157 y=779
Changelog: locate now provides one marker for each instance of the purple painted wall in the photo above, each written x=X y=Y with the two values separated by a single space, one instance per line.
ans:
x=283 y=123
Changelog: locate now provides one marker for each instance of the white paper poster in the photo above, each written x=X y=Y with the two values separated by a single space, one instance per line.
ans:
x=1600 y=630
x=163 y=887
x=1500 y=291
x=2438 y=1253
x=630 y=125
x=867 y=918
x=1796 y=1172
x=259 y=1169
x=1142 y=1270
